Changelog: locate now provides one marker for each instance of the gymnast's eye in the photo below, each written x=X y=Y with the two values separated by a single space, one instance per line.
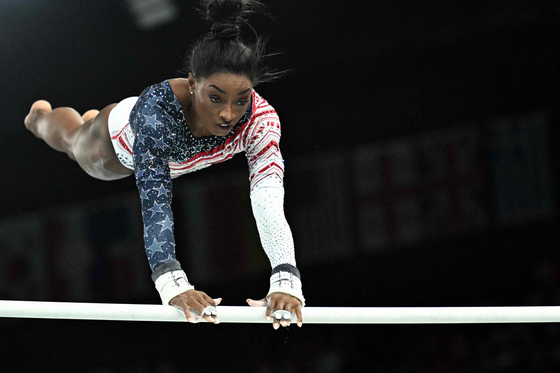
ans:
x=215 y=99
x=243 y=103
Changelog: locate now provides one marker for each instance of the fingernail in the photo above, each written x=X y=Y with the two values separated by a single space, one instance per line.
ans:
x=275 y=326
x=268 y=318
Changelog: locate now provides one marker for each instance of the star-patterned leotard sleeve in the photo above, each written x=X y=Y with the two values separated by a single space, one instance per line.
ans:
x=156 y=133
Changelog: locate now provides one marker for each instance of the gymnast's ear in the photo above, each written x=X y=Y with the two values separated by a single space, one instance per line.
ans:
x=191 y=81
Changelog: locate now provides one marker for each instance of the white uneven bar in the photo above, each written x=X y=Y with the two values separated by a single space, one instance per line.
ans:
x=311 y=315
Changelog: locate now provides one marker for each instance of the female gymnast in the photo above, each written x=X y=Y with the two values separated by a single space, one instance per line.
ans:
x=183 y=125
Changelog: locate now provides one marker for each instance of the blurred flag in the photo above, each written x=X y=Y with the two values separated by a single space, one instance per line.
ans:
x=430 y=186
x=521 y=168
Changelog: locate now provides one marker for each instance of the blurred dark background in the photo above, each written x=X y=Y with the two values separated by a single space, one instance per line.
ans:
x=420 y=141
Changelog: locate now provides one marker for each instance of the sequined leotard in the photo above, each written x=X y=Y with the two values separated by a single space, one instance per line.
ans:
x=164 y=148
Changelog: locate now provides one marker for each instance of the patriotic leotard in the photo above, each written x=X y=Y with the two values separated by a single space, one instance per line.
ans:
x=163 y=148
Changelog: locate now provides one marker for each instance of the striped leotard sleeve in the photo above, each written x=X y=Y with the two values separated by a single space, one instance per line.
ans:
x=266 y=168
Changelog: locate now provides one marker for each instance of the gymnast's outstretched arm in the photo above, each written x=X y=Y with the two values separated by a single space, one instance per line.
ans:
x=266 y=168
x=155 y=129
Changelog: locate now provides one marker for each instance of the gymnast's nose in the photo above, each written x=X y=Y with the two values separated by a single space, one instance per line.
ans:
x=227 y=114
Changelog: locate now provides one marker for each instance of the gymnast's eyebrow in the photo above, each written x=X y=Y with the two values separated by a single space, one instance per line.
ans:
x=218 y=89
x=224 y=92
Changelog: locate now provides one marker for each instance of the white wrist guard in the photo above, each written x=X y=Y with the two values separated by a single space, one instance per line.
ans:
x=287 y=283
x=171 y=284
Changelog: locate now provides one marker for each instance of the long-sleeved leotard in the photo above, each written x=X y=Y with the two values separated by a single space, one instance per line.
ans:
x=164 y=148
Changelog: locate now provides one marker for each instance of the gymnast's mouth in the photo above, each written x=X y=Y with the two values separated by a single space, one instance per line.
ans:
x=224 y=126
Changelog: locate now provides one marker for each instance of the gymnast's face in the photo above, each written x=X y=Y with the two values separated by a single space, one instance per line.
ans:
x=219 y=101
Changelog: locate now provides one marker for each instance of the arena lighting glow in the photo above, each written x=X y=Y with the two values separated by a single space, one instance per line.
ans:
x=150 y=14
x=311 y=315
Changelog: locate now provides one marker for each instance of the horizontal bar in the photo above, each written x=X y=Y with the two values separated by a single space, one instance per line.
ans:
x=311 y=315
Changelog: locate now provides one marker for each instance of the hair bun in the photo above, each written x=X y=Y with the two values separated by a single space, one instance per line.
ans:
x=225 y=30
x=225 y=16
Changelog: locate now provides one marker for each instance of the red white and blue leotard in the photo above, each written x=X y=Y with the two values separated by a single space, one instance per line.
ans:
x=163 y=148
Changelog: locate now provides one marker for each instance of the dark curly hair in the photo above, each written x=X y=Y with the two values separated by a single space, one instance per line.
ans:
x=223 y=50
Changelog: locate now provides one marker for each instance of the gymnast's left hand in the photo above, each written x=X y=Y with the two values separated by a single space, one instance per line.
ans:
x=276 y=302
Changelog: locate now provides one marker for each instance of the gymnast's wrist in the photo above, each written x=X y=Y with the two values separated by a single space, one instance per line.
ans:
x=172 y=283
x=286 y=279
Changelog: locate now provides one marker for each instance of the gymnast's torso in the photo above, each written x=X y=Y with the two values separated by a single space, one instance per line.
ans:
x=158 y=131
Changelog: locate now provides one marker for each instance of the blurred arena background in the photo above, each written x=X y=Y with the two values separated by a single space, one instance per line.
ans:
x=420 y=140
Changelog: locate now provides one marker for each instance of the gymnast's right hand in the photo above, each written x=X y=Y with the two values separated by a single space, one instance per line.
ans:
x=194 y=302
